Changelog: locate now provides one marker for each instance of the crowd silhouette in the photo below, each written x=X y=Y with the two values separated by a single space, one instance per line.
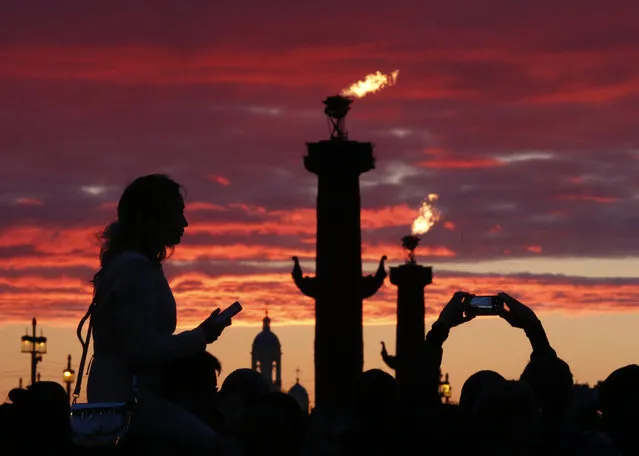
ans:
x=137 y=355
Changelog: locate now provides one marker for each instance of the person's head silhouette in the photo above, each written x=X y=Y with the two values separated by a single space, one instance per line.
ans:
x=150 y=219
x=619 y=407
x=552 y=383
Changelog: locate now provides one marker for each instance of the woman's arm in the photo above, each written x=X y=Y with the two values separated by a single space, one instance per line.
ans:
x=134 y=307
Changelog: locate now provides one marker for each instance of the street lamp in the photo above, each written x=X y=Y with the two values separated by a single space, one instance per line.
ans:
x=41 y=344
x=68 y=376
x=27 y=344
x=36 y=346
x=445 y=391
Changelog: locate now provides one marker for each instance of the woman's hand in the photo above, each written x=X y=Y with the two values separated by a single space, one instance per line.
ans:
x=214 y=326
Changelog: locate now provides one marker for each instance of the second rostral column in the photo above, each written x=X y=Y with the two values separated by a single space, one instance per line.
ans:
x=338 y=286
x=410 y=279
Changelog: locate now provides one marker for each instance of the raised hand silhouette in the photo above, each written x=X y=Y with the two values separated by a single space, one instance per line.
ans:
x=454 y=313
x=516 y=313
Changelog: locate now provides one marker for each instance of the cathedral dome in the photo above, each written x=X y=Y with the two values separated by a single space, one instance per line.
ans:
x=298 y=390
x=266 y=342
x=299 y=393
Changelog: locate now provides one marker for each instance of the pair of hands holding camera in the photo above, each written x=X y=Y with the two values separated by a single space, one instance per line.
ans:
x=458 y=311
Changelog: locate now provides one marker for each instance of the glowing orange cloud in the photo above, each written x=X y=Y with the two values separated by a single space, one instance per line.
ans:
x=450 y=225
x=63 y=248
x=201 y=206
x=279 y=222
x=49 y=240
x=534 y=248
x=372 y=252
x=197 y=293
x=88 y=260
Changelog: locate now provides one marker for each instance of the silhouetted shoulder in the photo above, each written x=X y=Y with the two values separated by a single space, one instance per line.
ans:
x=131 y=258
x=129 y=264
x=126 y=270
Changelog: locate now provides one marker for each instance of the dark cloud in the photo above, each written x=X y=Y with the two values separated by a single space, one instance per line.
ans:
x=520 y=116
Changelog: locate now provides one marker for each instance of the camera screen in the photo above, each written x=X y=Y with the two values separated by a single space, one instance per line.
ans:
x=483 y=302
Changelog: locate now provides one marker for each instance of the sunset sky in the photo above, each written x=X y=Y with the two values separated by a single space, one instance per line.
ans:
x=521 y=115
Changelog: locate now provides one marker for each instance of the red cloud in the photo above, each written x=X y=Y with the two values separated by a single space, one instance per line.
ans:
x=49 y=240
x=201 y=206
x=219 y=179
x=151 y=65
x=65 y=260
x=590 y=198
x=109 y=206
x=373 y=252
x=527 y=76
x=57 y=247
x=460 y=163
x=66 y=299
x=27 y=201
x=444 y=159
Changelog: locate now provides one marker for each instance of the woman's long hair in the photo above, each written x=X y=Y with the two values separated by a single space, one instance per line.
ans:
x=144 y=203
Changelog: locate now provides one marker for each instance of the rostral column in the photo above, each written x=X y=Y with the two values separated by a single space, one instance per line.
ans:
x=338 y=286
x=411 y=279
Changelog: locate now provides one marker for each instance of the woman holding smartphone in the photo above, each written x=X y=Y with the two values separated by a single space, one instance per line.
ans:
x=134 y=318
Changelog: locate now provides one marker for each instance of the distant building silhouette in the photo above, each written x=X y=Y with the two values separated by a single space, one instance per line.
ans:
x=266 y=356
x=338 y=286
x=299 y=393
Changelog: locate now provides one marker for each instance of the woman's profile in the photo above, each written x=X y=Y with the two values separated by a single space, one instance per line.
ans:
x=134 y=318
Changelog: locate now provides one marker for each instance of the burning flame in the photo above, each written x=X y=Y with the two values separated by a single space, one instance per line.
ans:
x=428 y=215
x=371 y=83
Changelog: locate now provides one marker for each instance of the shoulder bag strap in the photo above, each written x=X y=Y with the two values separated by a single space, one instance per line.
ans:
x=85 y=344
x=85 y=348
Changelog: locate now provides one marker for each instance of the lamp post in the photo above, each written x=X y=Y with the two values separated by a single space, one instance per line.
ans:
x=445 y=390
x=36 y=346
x=68 y=376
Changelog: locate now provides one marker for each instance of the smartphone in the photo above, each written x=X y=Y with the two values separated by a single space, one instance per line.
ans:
x=230 y=311
x=485 y=305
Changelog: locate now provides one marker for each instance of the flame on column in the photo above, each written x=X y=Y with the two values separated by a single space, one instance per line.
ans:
x=428 y=215
x=371 y=83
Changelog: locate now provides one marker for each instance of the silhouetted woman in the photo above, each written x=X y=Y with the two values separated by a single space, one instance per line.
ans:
x=135 y=317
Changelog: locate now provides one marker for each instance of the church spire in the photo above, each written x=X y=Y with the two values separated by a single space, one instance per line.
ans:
x=266 y=355
x=266 y=322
